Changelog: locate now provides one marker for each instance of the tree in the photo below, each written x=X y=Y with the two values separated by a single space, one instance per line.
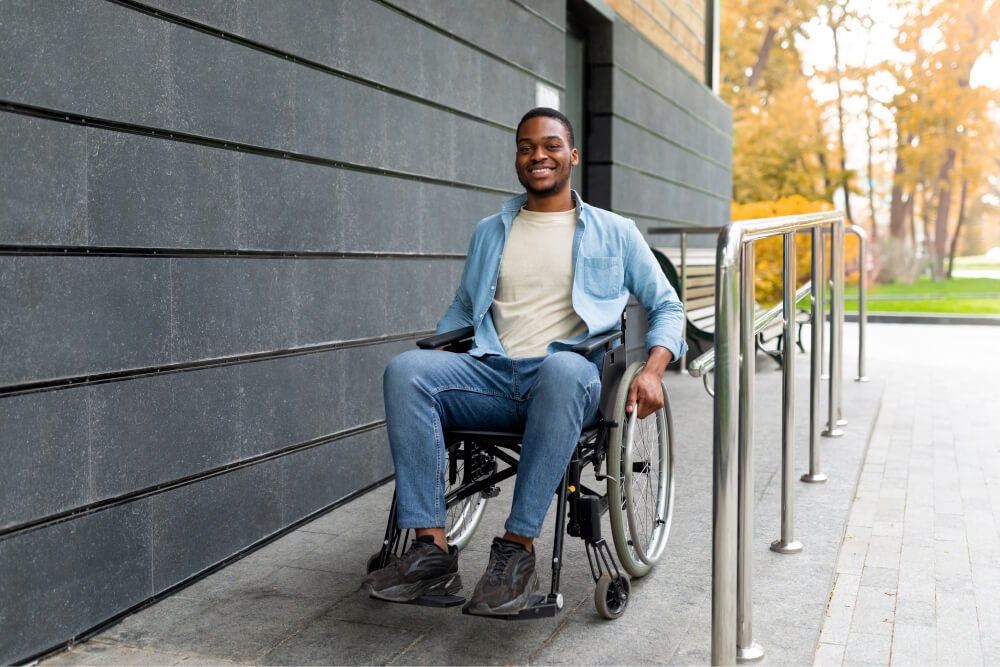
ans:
x=939 y=115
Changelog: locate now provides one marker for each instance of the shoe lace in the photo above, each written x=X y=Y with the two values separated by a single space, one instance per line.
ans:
x=498 y=563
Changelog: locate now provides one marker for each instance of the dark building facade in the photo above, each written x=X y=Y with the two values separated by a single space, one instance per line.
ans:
x=219 y=220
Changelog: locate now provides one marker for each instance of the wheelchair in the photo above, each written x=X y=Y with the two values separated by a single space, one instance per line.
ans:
x=636 y=455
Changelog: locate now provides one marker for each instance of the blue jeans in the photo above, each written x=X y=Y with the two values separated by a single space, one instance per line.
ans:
x=428 y=391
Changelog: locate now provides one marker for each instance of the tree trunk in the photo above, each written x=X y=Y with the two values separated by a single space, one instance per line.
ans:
x=871 y=174
x=834 y=27
x=958 y=227
x=765 y=48
x=898 y=204
x=943 y=208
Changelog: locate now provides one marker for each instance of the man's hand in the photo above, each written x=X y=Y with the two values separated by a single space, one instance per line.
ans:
x=646 y=392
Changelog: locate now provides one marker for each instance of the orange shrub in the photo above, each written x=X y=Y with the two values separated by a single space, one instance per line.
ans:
x=770 y=251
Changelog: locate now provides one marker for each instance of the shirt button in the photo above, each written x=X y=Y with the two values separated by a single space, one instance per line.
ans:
x=493 y=287
x=480 y=316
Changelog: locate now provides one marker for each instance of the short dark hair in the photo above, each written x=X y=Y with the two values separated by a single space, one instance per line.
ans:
x=548 y=112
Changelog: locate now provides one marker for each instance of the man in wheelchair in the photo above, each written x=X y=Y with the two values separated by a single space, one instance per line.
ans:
x=547 y=272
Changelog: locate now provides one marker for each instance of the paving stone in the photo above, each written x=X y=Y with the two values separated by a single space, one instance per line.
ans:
x=873 y=612
x=829 y=655
x=868 y=649
x=104 y=653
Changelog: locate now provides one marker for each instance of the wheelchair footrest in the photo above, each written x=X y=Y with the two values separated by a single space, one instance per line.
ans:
x=440 y=601
x=539 y=607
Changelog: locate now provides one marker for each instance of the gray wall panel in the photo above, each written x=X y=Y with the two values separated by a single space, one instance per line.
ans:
x=354 y=37
x=63 y=579
x=641 y=194
x=82 y=314
x=84 y=445
x=72 y=186
x=648 y=152
x=194 y=81
x=46 y=455
x=43 y=182
x=552 y=10
x=197 y=525
x=647 y=109
x=316 y=477
x=500 y=27
x=89 y=315
x=636 y=54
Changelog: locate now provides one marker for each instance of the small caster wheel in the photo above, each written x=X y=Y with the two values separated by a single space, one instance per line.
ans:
x=372 y=563
x=611 y=595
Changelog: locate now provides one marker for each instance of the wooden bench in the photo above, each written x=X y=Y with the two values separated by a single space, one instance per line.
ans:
x=700 y=302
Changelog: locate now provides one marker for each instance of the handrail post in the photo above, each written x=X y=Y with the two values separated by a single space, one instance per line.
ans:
x=787 y=544
x=862 y=235
x=724 y=468
x=815 y=356
x=684 y=301
x=835 y=419
x=747 y=650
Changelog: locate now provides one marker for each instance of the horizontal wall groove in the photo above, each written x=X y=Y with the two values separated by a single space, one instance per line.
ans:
x=647 y=216
x=672 y=142
x=198 y=576
x=682 y=108
x=471 y=45
x=217 y=253
x=146 y=492
x=693 y=188
x=538 y=15
x=306 y=62
x=186 y=137
x=73 y=382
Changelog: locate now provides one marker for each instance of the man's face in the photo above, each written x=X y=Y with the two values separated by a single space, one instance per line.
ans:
x=544 y=156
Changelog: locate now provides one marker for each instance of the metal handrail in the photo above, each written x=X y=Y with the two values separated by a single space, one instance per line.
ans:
x=731 y=608
x=706 y=361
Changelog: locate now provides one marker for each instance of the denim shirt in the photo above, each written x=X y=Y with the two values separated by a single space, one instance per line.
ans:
x=610 y=259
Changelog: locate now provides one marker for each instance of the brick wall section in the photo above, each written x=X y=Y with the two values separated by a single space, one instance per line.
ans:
x=677 y=27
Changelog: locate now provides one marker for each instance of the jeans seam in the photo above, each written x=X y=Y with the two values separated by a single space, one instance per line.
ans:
x=440 y=472
x=473 y=390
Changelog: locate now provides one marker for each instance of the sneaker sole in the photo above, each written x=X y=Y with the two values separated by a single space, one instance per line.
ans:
x=515 y=606
x=448 y=584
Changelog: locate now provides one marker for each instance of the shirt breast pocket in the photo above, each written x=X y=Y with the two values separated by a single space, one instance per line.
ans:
x=603 y=277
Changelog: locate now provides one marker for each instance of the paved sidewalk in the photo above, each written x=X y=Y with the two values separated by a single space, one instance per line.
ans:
x=297 y=600
x=918 y=578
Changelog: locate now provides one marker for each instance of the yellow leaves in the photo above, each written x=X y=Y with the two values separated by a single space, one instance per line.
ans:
x=770 y=252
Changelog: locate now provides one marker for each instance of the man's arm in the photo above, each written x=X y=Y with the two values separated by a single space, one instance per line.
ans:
x=645 y=279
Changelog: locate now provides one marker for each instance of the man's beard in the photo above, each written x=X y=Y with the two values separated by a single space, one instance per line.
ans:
x=544 y=192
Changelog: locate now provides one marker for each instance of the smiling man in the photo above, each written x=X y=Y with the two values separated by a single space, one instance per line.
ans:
x=545 y=273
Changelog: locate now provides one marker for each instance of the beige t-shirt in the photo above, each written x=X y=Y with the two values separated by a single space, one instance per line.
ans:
x=533 y=302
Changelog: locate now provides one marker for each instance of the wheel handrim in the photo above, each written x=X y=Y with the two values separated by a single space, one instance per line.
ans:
x=644 y=487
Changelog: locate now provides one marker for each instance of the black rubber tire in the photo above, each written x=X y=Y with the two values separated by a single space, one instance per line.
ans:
x=640 y=481
x=611 y=595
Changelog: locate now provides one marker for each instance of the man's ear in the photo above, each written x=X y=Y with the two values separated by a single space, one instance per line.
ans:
x=574 y=157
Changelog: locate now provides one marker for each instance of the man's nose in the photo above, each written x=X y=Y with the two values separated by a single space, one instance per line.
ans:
x=538 y=154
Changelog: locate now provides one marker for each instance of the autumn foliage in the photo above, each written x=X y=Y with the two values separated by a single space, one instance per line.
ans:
x=770 y=252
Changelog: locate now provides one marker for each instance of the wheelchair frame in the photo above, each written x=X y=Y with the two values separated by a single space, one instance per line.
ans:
x=579 y=508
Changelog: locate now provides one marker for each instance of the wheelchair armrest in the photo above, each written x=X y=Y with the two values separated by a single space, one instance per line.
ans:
x=447 y=338
x=591 y=344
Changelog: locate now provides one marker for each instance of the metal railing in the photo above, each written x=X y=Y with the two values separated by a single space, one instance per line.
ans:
x=735 y=329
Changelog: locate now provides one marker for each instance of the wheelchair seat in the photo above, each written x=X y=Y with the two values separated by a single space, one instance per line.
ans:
x=635 y=455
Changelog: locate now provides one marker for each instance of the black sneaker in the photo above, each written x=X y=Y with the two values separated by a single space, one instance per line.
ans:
x=423 y=570
x=509 y=582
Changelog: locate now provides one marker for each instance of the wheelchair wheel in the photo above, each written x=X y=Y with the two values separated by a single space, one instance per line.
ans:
x=640 y=480
x=462 y=516
x=611 y=595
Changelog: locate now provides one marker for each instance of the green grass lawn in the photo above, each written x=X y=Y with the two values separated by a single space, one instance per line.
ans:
x=958 y=295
